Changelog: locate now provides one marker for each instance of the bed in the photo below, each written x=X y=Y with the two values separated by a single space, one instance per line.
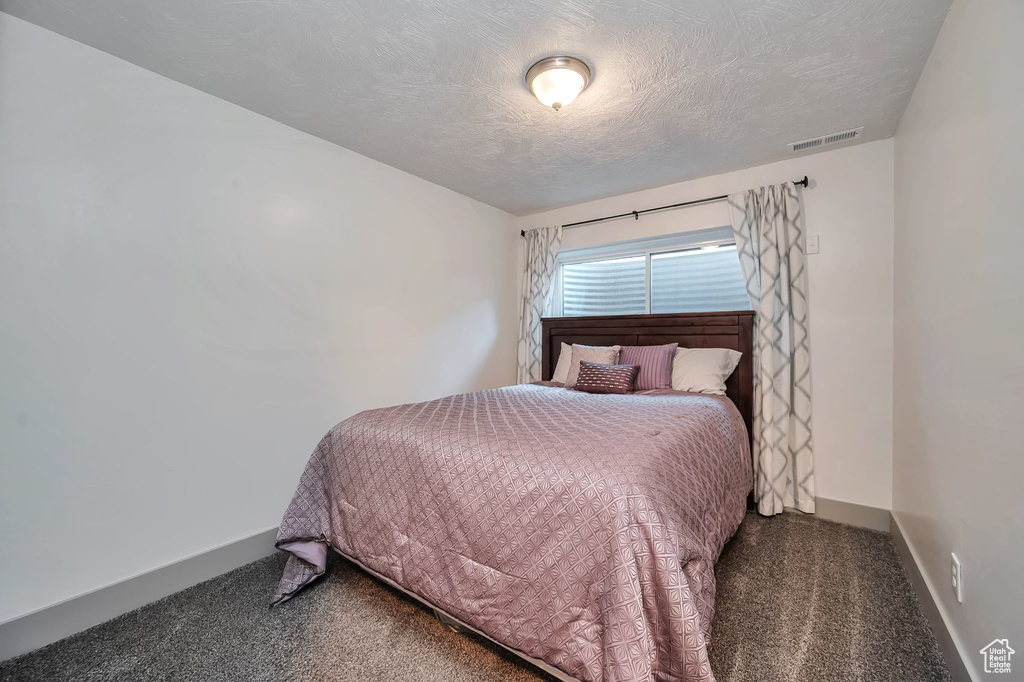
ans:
x=579 y=531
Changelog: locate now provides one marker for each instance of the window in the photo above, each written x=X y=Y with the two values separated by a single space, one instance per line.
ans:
x=688 y=273
x=605 y=287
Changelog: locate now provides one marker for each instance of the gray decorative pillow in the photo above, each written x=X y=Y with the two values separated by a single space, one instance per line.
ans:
x=600 y=355
x=606 y=378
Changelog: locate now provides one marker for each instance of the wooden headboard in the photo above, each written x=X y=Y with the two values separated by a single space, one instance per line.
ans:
x=690 y=330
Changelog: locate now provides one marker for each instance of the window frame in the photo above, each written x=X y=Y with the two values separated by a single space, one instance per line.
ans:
x=646 y=247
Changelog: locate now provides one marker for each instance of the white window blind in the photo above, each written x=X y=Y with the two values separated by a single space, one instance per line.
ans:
x=691 y=272
x=697 y=281
x=605 y=287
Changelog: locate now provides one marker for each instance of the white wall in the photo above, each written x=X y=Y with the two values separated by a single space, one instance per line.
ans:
x=190 y=296
x=850 y=207
x=959 y=333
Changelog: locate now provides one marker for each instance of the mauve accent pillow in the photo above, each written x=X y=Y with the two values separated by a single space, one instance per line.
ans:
x=601 y=355
x=655 y=364
x=595 y=378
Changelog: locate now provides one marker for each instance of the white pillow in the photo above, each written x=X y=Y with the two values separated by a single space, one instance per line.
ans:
x=703 y=370
x=561 y=372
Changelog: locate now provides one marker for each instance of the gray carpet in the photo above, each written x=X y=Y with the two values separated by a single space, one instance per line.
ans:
x=799 y=599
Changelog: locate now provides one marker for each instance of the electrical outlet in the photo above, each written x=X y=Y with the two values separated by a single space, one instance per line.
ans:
x=812 y=244
x=958 y=578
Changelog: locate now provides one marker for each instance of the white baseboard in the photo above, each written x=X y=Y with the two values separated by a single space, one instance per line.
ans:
x=954 y=654
x=852 y=514
x=49 y=624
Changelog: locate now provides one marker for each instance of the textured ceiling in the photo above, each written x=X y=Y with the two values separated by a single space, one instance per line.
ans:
x=681 y=88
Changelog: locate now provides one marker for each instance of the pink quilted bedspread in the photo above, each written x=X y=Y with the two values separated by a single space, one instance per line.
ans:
x=579 y=529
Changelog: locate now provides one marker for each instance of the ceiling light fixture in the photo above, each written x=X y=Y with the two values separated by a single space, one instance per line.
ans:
x=556 y=81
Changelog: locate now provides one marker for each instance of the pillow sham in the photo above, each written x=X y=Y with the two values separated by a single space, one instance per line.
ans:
x=601 y=355
x=595 y=378
x=703 y=370
x=655 y=364
x=561 y=372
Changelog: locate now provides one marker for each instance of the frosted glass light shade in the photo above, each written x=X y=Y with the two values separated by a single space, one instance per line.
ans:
x=557 y=87
x=556 y=81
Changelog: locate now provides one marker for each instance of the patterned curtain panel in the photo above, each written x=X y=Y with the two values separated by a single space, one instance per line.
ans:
x=767 y=224
x=542 y=247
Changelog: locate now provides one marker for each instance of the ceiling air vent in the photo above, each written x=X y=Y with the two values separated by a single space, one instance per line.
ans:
x=824 y=140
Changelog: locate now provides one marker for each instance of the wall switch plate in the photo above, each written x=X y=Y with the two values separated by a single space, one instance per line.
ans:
x=958 y=578
x=812 y=244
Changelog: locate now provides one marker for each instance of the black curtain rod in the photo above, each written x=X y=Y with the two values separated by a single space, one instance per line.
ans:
x=636 y=214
